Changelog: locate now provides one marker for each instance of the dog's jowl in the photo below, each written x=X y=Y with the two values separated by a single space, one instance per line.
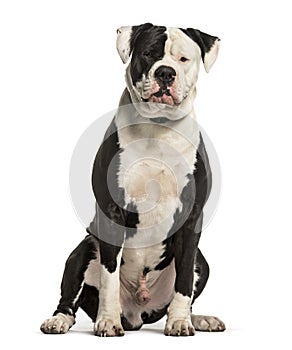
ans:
x=151 y=179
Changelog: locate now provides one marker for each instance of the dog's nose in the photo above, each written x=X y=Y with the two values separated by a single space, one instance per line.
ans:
x=165 y=75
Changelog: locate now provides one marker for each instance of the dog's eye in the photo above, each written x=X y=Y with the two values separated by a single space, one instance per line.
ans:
x=147 y=53
x=184 y=59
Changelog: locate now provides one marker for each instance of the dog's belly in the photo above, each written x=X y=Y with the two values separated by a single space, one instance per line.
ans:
x=139 y=264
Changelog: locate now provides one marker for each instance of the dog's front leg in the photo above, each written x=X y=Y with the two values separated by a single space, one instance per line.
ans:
x=179 y=311
x=108 y=321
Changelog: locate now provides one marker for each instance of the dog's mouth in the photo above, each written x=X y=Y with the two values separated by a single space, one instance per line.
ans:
x=161 y=92
x=163 y=95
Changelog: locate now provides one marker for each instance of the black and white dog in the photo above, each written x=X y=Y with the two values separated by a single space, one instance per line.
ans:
x=151 y=179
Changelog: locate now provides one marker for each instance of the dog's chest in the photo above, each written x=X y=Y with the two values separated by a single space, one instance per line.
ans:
x=153 y=170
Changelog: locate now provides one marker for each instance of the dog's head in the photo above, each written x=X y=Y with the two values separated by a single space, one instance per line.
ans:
x=165 y=62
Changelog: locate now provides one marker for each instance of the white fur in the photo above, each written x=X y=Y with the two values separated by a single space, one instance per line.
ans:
x=196 y=278
x=154 y=165
x=57 y=324
x=123 y=42
x=109 y=292
x=177 y=45
x=179 y=316
x=159 y=283
x=92 y=274
x=108 y=322
x=136 y=259
x=180 y=45
x=179 y=308
x=78 y=294
x=211 y=56
x=207 y=323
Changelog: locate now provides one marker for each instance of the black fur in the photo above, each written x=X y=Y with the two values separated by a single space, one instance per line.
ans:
x=205 y=41
x=154 y=316
x=111 y=217
x=183 y=245
x=202 y=269
x=147 y=46
x=89 y=300
x=73 y=276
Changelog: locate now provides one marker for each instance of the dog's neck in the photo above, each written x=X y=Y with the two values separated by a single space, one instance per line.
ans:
x=157 y=112
x=128 y=115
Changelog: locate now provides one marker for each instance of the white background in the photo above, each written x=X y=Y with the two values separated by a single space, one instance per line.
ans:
x=59 y=72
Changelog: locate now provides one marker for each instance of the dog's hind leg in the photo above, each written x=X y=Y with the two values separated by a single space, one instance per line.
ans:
x=204 y=323
x=71 y=288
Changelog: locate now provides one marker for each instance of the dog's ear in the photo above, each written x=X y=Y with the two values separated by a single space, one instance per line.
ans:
x=208 y=44
x=126 y=38
x=123 y=42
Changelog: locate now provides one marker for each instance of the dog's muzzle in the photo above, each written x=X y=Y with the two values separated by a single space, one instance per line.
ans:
x=164 y=91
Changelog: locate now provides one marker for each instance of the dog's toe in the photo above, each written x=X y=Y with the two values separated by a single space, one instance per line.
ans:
x=179 y=328
x=108 y=328
x=58 y=324
x=208 y=323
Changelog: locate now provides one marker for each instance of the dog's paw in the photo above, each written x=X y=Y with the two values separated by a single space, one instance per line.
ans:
x=108 y=328
x=58 y=324
x=179 y=328
x=207 y=323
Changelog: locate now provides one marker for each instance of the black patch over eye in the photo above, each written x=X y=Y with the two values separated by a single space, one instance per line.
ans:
x=147 y=53
x=184 y=59
x=147 y=44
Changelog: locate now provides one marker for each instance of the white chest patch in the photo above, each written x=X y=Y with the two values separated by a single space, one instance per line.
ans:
x=154 y=168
